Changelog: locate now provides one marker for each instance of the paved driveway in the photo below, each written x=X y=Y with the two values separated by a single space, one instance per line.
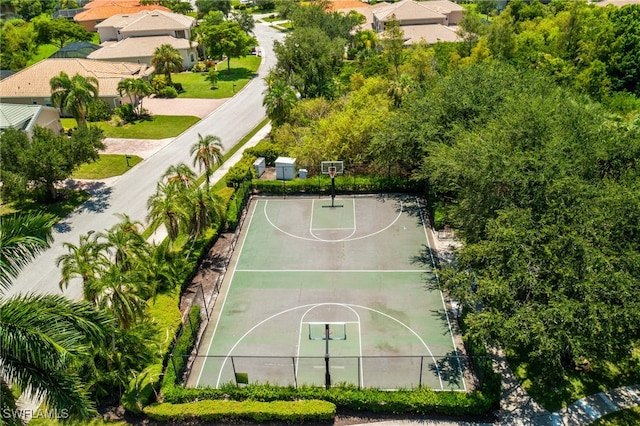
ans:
x=182 y=106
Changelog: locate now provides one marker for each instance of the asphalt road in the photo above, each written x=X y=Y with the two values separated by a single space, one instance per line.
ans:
x=129 y=194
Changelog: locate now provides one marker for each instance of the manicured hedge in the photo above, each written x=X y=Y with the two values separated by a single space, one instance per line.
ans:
x=241 y=171
x=222 y=410
x=266 y=149
x=418 y=401
x=182 y=348
x=343 y=185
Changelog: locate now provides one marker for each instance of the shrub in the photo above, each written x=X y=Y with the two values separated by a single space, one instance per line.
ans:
x=158 y=82
x=126 y=113
x=98 y=111
x=266 y=149
x=183 y=345
x=241 y=171
x=178 y=87
x=237 y=205
x=167 y=92
x=218 y=411
x=344 y=184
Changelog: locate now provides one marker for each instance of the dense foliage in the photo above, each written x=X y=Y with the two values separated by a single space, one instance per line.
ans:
x=528 y=133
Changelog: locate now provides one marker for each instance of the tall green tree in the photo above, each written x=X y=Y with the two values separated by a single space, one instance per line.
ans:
x=228 y=39
x=59 y=31
x=392 y=41
x=166 y=59
x=179 y=175
x=203 y=208
x=206 y=6
x=47 y=158
x=18 y=44
x=309 y=60
x=207 y=153
x=74 y=95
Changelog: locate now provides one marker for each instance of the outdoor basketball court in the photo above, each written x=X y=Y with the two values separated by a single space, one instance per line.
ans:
x=322 y=295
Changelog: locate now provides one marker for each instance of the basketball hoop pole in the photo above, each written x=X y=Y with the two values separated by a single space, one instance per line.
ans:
x=327 y=374
x=333 y=189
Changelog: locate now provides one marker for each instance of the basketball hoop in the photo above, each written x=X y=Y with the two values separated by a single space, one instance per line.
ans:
x=332 y=172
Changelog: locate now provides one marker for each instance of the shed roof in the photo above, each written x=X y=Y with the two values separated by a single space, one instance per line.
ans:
x=21 y=117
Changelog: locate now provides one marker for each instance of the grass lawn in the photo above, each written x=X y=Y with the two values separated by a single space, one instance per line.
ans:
x=69 y=201
x=155 y=127
x=241 y=71
x=577 y=384
x=628 y=417
x=107 y=166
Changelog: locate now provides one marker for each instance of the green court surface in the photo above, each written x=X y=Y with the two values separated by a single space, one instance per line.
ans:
x=360 y=272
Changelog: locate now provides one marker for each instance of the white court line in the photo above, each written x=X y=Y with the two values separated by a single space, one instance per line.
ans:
x=412 y=331
x=228 y=291
x=345 y=322
x=444 y=305
x=313 y=204
x=266 y=215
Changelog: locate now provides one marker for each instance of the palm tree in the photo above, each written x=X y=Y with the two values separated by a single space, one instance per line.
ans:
x=204 y=209
x=167 y=59
x=125 y=243
x=123 y=293
x=136 y=89
x=43 y=339
x=207 y=153
x=74 y=95
x=165 y=208
x=22 y=238
x=180 y=174
x=86 y=260
x=279 y=100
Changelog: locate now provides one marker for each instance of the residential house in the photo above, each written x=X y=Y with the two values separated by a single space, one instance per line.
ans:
x=99 y=10
x=31 y=86
x=26 y=117
x=430 y=20
x=135 y=37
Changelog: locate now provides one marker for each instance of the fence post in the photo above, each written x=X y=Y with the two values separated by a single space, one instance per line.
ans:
x=359 y=370
x=235 y=376
x=295 y=375
x=421 y=364
x=204 y=302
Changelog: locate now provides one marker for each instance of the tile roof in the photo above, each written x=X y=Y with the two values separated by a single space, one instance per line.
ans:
x=104 y=12
x=103 y=3
x=138 y=47
x=34 y=80
x=431 y=33
x=409 y=10
x=148 y=20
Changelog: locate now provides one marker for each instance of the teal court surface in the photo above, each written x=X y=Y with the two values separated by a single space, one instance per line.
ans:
x=320 y=295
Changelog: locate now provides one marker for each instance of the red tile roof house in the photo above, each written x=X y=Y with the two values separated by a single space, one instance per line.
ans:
x=135 y=37
x=99 y=10
x=31 y=85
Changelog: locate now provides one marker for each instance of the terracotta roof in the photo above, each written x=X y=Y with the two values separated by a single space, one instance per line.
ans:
x=408 y=10
x=103 y=3
x=346 y=4
x=618 y=3
x=149 y=20
x=34 y=80
x=104 y=12
x=138 y=47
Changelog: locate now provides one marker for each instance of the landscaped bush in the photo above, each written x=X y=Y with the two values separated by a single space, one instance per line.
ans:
x=167 y=92
x=98 y=111
x=218 y=411
x=242 y=171
x=421 y=401
x=125 y=112
x=184 y=343
x=266 y=149
x=237 y=205
x=344 y=185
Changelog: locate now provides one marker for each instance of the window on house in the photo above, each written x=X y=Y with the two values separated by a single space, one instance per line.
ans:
x=180 y=34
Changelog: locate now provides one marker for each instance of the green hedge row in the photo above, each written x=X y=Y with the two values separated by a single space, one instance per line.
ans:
x=236 y=205
x=222 y=410
x=343 y=185
x=240 y=172
x=266 y=149
x=418 y=401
